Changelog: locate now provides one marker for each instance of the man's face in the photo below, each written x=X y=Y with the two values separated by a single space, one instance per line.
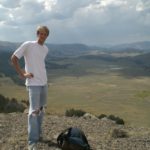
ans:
x=42 y=35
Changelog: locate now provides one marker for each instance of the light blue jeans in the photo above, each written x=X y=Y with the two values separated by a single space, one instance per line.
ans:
x=37 y=101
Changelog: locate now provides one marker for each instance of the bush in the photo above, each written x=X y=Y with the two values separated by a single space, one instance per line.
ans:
x=3 y=102
x=120 y=121
x=112 y=117
x=14 y=106
x=72 y=112
x=10 y=105
x=116 y=119
x=102 y=116
x=26 y=102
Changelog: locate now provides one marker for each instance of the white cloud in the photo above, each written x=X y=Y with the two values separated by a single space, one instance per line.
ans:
x=140 y=6
x=105 y=3
x=86 y=21
x=10 y=3
x=49 y=4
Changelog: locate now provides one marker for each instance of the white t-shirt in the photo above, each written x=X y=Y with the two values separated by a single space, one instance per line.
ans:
x=34 y=56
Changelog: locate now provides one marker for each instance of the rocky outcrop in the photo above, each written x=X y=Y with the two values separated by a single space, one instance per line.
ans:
x=102 y=134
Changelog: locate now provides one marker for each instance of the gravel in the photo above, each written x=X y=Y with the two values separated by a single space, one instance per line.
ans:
x=100 y=133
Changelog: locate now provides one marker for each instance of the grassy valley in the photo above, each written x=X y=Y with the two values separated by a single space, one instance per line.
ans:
x=100 y=83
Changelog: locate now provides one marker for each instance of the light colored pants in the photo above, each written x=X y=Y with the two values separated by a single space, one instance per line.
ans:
x=37 y=101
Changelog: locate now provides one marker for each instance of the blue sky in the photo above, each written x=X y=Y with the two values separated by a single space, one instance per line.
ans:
x=92 y=22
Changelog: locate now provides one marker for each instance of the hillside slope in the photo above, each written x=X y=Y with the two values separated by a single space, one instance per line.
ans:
x=100 y=133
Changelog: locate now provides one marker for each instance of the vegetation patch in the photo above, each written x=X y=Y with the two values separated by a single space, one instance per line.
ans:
x=102 y=116
x=74 y=113
x=112 y=117
x=143 y=94
x=79 y=113
x=10 y=105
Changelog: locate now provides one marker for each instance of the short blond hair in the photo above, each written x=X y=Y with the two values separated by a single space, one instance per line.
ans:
x=41 y=28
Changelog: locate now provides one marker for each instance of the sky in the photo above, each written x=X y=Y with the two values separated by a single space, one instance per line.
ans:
x=91 y=22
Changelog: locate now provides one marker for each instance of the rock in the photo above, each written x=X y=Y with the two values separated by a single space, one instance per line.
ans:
x=89 y=116
x=26 y=111
x=119 y=133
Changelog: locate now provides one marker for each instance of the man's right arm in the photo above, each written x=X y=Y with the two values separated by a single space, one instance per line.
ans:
x=22 y=73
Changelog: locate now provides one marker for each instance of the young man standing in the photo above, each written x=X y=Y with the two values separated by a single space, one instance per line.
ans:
x=34 y=53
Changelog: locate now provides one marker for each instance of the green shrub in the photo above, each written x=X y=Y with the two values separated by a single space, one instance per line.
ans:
x=112 y=117
x=72 y=112
x=143 y=94
x=120 y=121
x=3 y=102
x=10 y=105
x=26 y=102
x=116 y=119
x=102 y=116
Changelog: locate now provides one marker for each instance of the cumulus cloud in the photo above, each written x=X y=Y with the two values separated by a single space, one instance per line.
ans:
x=9 y=4
x=84 y=21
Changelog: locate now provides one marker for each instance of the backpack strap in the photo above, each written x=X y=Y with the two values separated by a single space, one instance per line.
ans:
x=63 y=136
x=85 y=140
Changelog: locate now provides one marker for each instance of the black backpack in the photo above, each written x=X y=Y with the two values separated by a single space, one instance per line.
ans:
x=73 y=139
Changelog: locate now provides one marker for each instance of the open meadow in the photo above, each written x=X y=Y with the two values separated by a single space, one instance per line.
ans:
x=105 y=93
x=98 y=84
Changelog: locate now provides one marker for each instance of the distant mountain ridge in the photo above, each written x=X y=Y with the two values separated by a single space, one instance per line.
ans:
x=64 y=57
x=144 y=45
x=59 y=50
x=77 y=49
x=8 y=46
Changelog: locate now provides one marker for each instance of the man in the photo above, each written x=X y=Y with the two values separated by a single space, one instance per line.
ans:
x=34 y=53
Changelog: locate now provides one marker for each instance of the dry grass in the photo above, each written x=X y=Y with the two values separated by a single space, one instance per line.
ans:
x=98 y=94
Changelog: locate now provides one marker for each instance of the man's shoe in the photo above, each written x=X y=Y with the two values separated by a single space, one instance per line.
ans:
x=32 y=147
